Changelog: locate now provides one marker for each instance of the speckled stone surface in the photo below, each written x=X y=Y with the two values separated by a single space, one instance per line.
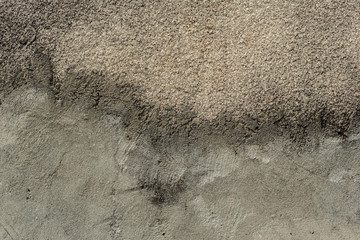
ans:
x=268 y=60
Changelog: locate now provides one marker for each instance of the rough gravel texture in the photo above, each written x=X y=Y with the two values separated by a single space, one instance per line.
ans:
x=293 y=62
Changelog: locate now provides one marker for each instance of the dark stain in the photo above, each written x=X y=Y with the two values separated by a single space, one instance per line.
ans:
x=41 y=69
x=163 y=192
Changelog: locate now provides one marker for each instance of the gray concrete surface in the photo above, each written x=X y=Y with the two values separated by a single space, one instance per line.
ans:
x=72 y=173
x=179 y=119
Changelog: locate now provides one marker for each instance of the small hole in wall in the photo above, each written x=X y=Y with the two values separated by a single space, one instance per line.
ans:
x=28 y=189
x=163 y=234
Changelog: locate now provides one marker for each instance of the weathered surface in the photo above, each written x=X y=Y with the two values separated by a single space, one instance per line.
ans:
x=266 y=61
x=179 y=120
x=70 y=173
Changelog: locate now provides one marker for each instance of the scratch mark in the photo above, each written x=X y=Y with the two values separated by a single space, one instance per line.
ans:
x=57 y=167
x=127 y=151
x=7 y=231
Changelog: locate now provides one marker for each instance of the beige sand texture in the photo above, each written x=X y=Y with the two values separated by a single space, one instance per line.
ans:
x=297 y=61
x=253 y=59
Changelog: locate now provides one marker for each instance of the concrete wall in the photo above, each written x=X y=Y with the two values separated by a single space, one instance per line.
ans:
x=179 y=120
